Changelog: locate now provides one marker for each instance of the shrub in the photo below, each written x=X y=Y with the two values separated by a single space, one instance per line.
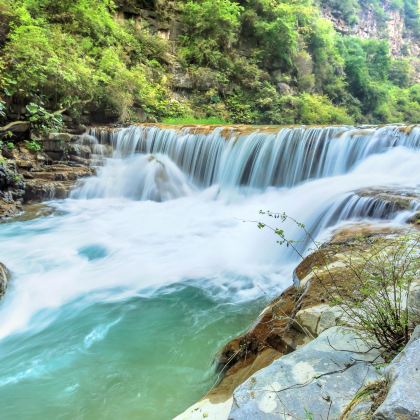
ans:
x=48 y=63
x=43 y=121
x=33 y=146
x=381 y=271
x=384 y=275
x=317 y=109
x=400 y=73
x=210 y=28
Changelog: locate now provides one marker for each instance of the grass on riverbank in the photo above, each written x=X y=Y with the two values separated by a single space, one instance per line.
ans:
x=192 y=120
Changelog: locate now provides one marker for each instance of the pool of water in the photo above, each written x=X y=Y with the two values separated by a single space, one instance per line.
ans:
x=118 y=304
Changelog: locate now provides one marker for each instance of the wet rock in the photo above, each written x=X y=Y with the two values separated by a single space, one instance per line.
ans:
x=80 y=150
x=9 y=208
x=11 y=189
x=394 y=199
x=28 y=177
x=415 y=219
x=320 y=378
x=4 y=277
x=34 y=211
x=54 y=181
x=79 y=129
x=24 y=164
x=402 y=400
x=56 y=145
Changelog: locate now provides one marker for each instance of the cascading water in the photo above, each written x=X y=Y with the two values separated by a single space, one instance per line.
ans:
x=120 y=300
x=140 y=177
x=284 y=158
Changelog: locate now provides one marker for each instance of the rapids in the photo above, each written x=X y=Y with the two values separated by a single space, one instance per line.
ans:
x=121 y=298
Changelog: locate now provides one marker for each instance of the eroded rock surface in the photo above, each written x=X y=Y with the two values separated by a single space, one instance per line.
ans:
x=33 y=176
x=402 y=401
x=320 y=378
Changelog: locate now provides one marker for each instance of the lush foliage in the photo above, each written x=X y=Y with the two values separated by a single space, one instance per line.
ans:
x=297 y=69
x=42 y=120
x=73 y=56
x=33 y=146
x=245 y=61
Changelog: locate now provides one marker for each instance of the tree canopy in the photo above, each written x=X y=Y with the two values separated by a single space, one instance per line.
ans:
x=246 y=61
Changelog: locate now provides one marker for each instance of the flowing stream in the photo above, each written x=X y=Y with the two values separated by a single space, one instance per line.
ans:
x=122 y=297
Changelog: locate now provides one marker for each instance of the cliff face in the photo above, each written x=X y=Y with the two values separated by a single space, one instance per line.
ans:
x=390 y=25
x=383 y=21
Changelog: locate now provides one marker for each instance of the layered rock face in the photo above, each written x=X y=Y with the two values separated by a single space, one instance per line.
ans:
x=368 y=25
x=32 y=176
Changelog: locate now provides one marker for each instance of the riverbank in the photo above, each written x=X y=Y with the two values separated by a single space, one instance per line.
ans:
x=290 y=363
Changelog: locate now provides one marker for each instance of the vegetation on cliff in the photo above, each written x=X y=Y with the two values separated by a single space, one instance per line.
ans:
x=260 y=61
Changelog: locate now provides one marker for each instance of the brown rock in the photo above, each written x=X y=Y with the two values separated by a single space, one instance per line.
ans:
x=16 y=127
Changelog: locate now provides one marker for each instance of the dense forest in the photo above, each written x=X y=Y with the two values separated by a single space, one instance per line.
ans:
x=244 y=61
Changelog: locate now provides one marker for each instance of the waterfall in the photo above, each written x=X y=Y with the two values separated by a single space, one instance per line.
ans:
x=355 y=206
x=139 y=177
x=162 y=242
x=259 y=159
x=159 y=164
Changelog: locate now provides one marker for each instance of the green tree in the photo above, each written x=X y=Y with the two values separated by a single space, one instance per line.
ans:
x=210 y=28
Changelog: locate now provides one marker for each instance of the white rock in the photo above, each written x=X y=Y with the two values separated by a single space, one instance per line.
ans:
x=403 y=399
x=316 y=319
x=320 y=378
x=206 y=409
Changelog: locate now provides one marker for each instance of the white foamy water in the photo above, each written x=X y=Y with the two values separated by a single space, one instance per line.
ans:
x=169 y=220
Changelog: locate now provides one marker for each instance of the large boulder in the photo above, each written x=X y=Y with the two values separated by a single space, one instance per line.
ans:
x=319 y=380
x=402 y=401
